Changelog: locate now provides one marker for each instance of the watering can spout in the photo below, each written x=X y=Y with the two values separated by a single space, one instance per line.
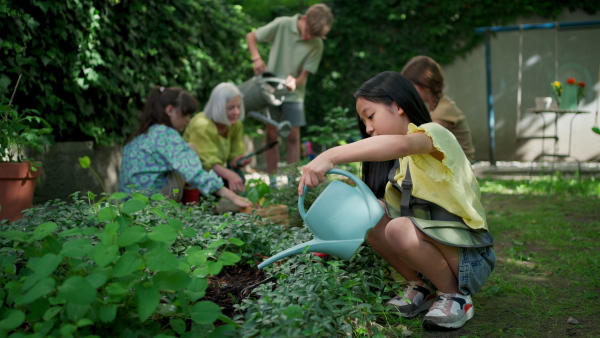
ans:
x=343 y=249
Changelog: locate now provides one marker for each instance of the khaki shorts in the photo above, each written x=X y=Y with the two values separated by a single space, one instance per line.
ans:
x=291 y=111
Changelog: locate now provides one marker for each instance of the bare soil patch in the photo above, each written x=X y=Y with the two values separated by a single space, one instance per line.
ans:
x=232 y=285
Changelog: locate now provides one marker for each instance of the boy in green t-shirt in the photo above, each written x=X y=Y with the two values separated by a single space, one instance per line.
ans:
x=296 y=51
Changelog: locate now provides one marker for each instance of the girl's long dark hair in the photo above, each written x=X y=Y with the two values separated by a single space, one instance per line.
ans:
x=156 y=103
x=386 y=88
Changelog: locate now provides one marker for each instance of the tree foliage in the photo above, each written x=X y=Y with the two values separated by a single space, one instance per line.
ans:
x=369 y=37
x=87 y=65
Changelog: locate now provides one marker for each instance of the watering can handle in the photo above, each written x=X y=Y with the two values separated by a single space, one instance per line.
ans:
x=273 y=79
x=359 y=184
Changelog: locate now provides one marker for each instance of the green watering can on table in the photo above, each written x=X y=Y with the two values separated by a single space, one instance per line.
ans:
x=340 y=219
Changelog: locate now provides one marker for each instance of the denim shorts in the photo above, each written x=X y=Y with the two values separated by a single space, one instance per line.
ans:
x=475 y=267
x=290 y=111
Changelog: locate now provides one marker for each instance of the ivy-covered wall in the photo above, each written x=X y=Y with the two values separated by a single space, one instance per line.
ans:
x=87 y=65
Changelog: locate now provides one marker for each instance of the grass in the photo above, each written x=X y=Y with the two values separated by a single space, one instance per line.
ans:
x=547 y=279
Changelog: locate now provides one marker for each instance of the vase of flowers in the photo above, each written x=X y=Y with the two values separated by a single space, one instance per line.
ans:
x=569 y=94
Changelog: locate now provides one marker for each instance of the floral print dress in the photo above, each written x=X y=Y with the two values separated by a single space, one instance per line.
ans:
x=150 y=158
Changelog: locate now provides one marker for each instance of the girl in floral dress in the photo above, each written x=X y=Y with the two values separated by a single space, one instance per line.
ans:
x=158 y=160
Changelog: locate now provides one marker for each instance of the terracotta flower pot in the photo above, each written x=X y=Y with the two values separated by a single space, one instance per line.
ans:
x=17 y=184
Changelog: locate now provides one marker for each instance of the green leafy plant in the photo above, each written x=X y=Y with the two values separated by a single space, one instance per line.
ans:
x=114 y=268
x=305 y=295
x=86 y=163
x=94 y=68
x=258 y=192
x=335 y=129
x=21 y=130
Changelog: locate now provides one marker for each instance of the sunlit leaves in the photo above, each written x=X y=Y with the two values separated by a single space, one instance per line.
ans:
x=85 y=162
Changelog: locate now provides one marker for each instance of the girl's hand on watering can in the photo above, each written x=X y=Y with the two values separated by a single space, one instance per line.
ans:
x=314 y=173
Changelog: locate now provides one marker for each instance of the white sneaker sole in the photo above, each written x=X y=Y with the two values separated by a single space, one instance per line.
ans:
x=423 y=307
x=458 y=324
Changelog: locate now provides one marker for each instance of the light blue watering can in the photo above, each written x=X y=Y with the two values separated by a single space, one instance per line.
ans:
x=340 y=219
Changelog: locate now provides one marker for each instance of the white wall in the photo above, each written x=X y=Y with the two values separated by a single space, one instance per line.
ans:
x=578 y=57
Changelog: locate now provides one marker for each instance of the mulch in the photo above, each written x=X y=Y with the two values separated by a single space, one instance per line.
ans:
x=233 y=284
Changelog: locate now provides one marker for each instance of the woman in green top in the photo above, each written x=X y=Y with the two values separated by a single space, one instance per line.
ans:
x=217 y=135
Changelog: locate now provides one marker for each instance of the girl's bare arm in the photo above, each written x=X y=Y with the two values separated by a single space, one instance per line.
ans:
x=377 y=148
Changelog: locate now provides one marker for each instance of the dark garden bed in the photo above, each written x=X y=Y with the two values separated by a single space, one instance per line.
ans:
x=233 y=284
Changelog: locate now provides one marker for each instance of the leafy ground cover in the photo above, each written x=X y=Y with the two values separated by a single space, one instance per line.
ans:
x=545 y=285
x=546 y=281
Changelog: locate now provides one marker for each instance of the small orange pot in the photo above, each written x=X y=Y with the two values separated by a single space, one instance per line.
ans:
x=17 y=185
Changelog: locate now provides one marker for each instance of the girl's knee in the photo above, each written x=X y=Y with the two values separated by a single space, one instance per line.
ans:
x=401 y=234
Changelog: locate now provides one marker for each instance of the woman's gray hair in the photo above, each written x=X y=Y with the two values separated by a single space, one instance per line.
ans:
x=216 y=107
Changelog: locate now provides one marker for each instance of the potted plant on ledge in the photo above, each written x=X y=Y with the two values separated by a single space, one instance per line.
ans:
x=18 y=174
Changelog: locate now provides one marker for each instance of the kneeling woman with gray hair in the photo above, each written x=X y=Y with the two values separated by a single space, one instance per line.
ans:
x=217 y=135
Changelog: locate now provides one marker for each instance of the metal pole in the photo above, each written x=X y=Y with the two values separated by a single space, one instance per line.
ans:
x=490 y=101
x=562 y=25
x=488 y=63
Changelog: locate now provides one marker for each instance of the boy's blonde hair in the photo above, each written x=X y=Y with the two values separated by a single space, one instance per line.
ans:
x=319 y=20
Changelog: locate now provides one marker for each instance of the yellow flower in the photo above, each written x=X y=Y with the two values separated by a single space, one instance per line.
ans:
x=556 y=84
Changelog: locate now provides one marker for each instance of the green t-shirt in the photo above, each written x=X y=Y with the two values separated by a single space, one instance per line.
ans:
x=212 y=147
x=290 y=54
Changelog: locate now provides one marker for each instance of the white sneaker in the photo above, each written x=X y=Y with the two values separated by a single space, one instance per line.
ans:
x=450 y=310
x=416 y=299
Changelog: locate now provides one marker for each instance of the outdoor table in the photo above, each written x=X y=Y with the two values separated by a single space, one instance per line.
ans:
x=557 y=113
